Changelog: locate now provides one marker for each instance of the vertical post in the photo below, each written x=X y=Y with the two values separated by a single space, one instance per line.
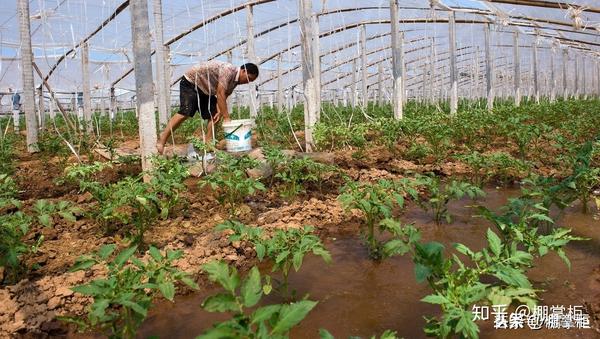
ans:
x=584 y=76
x=279 y=85
x=317 y=61
x=552 y=77
x=477 y=72
x=41 y=108
x=517 y=68
x=397 y=94
x=453 y=73
x=140 y=32
x=489 y=69
x=51 y=111
x=251 y=57
x=311 y=104
x=354 y=98
x=576 y=61
x=87 y=100
x=536 y=80
x=564 y=74
x=113 y=104
x=168 y=77
x=161 y=81
x=363 y=65
x=432 y=72
x=27 y=76
x=380 y=83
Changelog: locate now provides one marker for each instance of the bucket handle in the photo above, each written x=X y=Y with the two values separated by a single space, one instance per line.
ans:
x=230 y=133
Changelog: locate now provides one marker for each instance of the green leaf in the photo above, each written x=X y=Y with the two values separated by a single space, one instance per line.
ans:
x=561 y=253
x=221 y=302
x=134 y=306
x=292 y=314
x=82 y=265
x=189 y=282
x=251 y=290
x=494 y=241
x=264 y=313
x=106 y=250
x=324 y=334
x=167 y=289
x=45 y=219
x=422 y=272
x=88 y=289
x=297 y=260
x=67 y=216
x=122 y=258
x=155 y=253
x=435 y=299
x=219 y=272
x=218 y=333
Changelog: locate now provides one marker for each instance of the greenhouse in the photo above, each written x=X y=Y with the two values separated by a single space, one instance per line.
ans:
x=300 y=169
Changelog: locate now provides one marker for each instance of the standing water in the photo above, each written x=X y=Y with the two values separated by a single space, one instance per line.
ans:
x=360 y=297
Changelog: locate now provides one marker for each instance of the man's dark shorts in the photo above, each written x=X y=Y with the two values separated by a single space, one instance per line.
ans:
x=192 y=100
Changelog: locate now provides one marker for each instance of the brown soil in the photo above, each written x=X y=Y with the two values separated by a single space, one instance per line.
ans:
x=29 y=307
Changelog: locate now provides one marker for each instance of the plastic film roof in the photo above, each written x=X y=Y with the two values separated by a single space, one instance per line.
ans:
x=59 y=25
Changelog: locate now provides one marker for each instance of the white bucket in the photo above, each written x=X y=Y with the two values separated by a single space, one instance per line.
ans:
x=238 y=134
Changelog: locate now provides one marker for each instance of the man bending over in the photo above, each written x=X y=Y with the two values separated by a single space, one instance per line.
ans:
x=205 y=88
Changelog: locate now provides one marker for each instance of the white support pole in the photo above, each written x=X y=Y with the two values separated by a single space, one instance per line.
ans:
x=453 y=72
x=144 y=86
x=536 y=80
x=87 y=101
x=311 y=104
x=354 y=99
x=478 y=89
x=584 y=76
x=41 y=107
x=380 y=83
x=432 y=71
x=397 y=37
x=317 y=61
x=577 y=88
x=517 y=69
x=489 y=69
x=27 y=76
x=552 y=77
x=251 y=57
x=279 y=86
x=160 y=56
x=168 y=77
x=363 y=65
x=565 y=57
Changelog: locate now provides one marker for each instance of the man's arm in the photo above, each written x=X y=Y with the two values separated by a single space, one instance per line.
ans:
x=222 y=102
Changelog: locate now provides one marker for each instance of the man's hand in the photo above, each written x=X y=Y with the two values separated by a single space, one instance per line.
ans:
x=216 y=117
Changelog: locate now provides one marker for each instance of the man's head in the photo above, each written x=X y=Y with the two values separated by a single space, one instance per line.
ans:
x=248 y=73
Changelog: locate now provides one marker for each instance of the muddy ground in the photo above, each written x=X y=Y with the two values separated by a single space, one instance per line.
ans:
x=29 y=307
